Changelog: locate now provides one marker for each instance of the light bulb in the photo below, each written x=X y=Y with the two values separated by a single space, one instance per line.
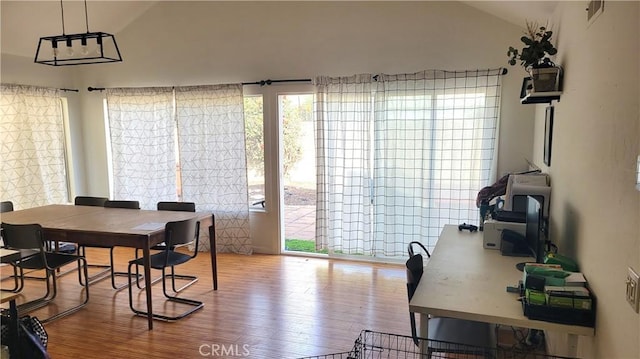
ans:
x=84 y=49
x=54 y=48
x=69 y=50
x=99 y=47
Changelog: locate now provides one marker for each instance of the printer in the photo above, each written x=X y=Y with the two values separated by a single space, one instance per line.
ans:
x=523 y=185
x=519 y=186
x=492 y=232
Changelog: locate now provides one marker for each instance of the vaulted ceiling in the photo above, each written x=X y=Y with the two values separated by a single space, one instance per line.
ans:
x=24 y=22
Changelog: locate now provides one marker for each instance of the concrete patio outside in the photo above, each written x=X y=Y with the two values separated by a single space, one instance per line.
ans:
x=300 y=222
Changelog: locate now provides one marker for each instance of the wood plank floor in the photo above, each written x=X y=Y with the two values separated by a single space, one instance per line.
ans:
x=266 y=306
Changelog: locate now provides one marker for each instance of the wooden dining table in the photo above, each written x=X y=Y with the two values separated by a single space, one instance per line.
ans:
x=119 y=227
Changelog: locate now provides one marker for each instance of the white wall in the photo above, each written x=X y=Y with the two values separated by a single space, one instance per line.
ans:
x=594 y=205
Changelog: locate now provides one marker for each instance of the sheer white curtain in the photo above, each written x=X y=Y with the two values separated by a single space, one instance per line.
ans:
x=344 y=115
x=213 y=160
x=142 y=128
x=32 y=147
x=419 y=148
x=435 y=139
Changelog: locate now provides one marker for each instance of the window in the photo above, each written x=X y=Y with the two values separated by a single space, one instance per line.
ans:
x=254 y=134
x=34 y=146
x=405 y=154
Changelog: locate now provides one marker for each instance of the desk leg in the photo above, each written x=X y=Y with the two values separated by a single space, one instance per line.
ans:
x=146 y=252
x=214 y=259
x=424 y=333
x=572 y=345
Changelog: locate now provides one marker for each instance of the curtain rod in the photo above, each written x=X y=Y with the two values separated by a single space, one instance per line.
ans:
x=269 y=81
x=60 y=89
x=261 y=83
x=503 y=71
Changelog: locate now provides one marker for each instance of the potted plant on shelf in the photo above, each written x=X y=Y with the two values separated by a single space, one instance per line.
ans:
x=545 y=75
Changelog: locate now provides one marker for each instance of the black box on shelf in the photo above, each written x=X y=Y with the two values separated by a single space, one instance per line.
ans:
x=571 y=316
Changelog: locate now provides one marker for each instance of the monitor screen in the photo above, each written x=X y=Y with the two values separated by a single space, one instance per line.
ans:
x=535 y=236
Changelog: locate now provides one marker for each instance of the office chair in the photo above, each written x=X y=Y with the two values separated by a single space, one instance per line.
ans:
x=128 y=205
x=176 y=234
x=30 y=236
x=184 y=207
x=446 y=335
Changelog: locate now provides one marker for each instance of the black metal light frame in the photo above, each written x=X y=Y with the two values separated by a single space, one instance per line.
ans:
x=52 y=45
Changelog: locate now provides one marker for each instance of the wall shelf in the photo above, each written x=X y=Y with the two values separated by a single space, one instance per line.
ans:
x=541 y=97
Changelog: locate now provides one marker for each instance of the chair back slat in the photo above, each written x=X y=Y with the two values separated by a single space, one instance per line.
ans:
x=6 y=206
x=122 y=204
x=179 y=233
x=177 y=206
x=23 y=236
x=90 y=201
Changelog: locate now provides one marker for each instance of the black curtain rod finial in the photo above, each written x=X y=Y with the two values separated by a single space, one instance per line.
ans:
x=91 y=89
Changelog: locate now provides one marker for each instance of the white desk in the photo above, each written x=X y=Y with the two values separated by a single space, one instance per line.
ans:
x=464 y=280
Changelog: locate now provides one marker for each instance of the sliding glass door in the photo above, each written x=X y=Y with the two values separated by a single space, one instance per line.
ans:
x=281 y=166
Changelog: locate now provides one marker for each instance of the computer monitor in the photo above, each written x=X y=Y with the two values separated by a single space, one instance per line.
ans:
x=535 y=230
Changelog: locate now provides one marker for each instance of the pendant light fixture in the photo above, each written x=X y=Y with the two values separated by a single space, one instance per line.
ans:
x=77 y=49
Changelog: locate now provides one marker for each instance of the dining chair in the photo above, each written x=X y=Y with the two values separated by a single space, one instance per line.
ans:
x=446 y=335
x=106 y=268
x=176 y=234
x=182 y=207
x=127 y=204
x=6 y=206
x=30 y=236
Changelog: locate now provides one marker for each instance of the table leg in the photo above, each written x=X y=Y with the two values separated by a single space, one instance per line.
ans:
x=214 y=259
x=424 y=333
x=146 y=252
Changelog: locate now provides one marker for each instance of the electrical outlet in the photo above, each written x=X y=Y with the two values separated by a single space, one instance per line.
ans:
x=633 y=292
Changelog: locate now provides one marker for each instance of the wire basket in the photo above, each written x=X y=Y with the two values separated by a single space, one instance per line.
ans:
x=370 y=345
